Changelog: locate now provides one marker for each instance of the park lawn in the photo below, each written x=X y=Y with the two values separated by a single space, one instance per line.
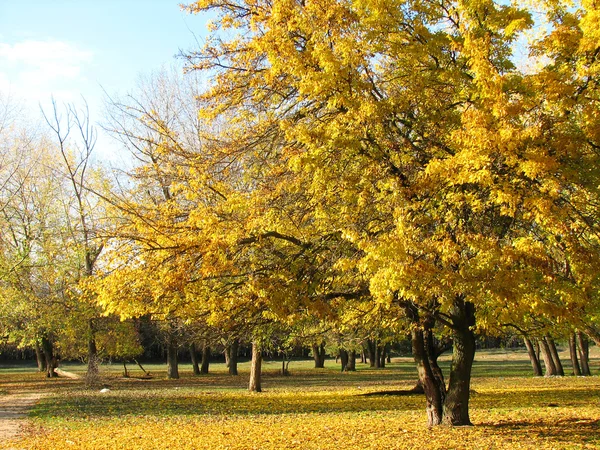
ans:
x=311 y=409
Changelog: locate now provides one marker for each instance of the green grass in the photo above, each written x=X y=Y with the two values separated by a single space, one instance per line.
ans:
x=312 y=408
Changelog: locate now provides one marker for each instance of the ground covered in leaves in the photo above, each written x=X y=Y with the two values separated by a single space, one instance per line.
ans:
x=310 y=409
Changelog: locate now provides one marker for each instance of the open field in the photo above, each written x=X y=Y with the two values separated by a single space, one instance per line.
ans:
x=311 y=409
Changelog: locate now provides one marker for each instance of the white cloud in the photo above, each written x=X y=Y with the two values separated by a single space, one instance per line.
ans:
x=35 y=70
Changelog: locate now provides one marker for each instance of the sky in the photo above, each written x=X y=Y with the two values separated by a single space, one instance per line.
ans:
x=69 y=49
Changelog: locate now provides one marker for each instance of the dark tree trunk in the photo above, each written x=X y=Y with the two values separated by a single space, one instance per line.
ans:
x=39 y=356
x=344 y=359
x=372 y=348
x=255 y=369
x=383 y=356
x=378 y=355
x=363 y=356
x=51 y=363
x=233 y=357
x=535 y=362
x=194 y=358
x=427 y=381
x=319 y=355
x=172 y=364
x=573 y=354
x=456 y=405
x=554 y=352
x=584 y=353
x=351 y=367
x=205 y=359
x=547 y=357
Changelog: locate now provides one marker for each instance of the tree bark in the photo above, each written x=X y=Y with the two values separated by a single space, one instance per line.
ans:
x=205 y=359
x=351 y=367
x=383 y=356
x=372 y=348
x=92 y=376
x=535 y=362
x=547 y=357
x=427 y=380
x=456 y=405
x=233 y=357
x=554 y=352
x=51 y=362
x=194 y=358
x=172 y=363
x=319 y=355
x=39 y=356
x=573 y=354
x=378 y=352
x=255 y=369
x=584 y=353
x=344 y=359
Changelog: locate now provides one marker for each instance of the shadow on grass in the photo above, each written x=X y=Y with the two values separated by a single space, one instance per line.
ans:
x=565 y=431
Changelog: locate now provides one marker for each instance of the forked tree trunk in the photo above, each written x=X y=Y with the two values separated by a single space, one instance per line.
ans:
x=39 y=357
x=205 y=359
x=344 y=359
x=172 y=364
x=233 y=357
x=255 y=369
x=351 y=367
x=194 y=358
x=51 y=362
x=427 y=381
x=547 y=357
x=554 y=352
x=456 y=405
x=535 y=362
x=584 y=353
x=573 y=354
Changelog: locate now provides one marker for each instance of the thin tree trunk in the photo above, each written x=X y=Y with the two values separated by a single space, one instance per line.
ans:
x=172 y=364
x=205 y=359
x=573 y=354
x=378 y=351
x=255 y=369
x=584 y=353
x=535 y=362
x=39 y=356
x=456 y=405
x=194 y=358
x=554 y=352
x=351 y=367
x=233 y=357
x=547 y=357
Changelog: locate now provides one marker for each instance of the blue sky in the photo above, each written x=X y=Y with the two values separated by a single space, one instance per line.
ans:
x=73 y=48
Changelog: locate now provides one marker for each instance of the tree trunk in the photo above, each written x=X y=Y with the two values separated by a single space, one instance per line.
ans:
x=573 y=354
x=172 y=364
x=456 y=405
x=39 y=356
x=547 y=357
x=92 y=376
x=51 y=363
x=344 y=359
x=535 y=362
x=205 y=359
x=378 y=355
x=255 y=369
x=351 y=367
x=427 y=380
x=319 y=355
x=554 y=352
x=194 y=358
x=584 y=353
x=233 y=357
x=372 y=348
x=363 y=356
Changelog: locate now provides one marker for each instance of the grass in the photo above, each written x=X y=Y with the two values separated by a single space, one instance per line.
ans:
x=311 y=409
